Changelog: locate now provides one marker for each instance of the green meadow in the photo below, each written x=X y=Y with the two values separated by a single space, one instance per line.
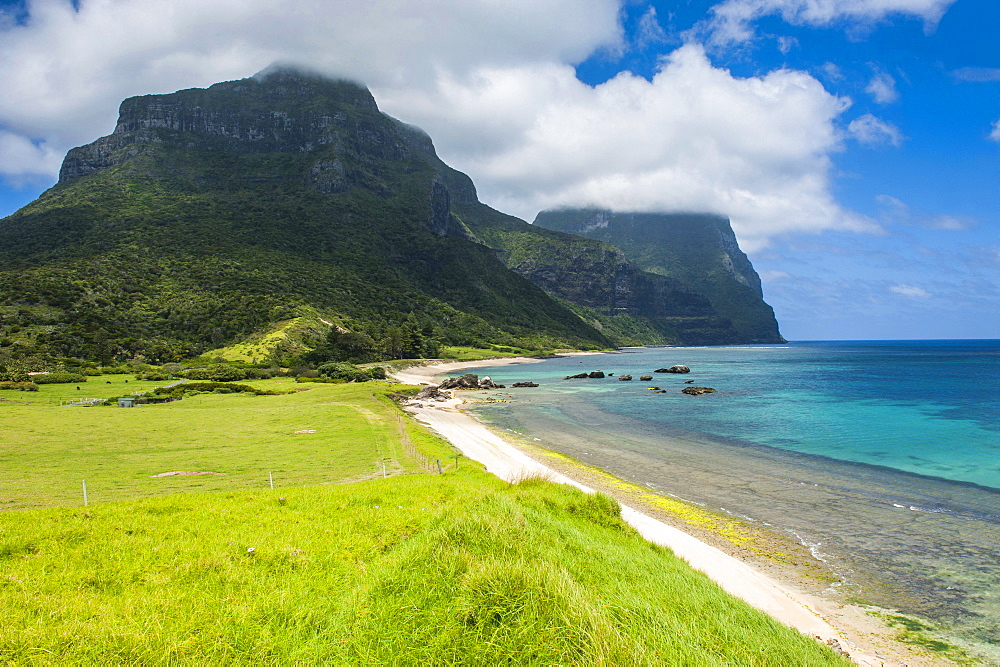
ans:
x=316 y=434
x=414 y=568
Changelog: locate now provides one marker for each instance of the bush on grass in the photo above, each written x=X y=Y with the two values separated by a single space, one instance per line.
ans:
x=19 y=386
x=58 y=377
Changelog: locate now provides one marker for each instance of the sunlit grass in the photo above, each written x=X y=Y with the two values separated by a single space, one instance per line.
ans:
x=324 y=434
x=453 y=569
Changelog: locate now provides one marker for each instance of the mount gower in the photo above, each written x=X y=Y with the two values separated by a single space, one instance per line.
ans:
x=287 y=205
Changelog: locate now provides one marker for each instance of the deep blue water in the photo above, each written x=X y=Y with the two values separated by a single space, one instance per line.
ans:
x=882 y=456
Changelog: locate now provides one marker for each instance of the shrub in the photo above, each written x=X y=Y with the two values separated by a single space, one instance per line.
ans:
x=341 y=370
x=58 y=377
x=214 y=387
x=216 y=373
x=20 y=386
x=153 y=375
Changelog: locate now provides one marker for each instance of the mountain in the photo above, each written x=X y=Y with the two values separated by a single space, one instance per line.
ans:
x=211 y=214
x=696 y=250
x=286 y=207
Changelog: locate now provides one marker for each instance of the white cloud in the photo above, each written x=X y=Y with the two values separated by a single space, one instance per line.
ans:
x=872 y=131
x=995 y=132
x=773 y=276
x=64 y=70
x=20 y=158
x=649 y=30
x=910 y=291
x=492 y=82
x=882 y=88
x=786 y=44
x=693 y=138
x=977 y=74
x=732 y=21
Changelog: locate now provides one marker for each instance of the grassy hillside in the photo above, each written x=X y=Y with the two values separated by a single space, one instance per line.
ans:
x=417 y=568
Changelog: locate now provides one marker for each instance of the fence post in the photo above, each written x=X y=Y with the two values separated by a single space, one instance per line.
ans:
x=270 y=478
x=440 y=471
x=383 y=469
x=85 y=503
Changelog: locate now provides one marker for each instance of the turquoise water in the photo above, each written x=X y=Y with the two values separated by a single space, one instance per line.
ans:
x=883 y=457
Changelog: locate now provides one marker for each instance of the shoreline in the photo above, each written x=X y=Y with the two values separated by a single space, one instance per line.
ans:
x=853 y=630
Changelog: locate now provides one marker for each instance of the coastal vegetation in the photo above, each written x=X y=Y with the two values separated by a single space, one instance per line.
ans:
x=413 y=566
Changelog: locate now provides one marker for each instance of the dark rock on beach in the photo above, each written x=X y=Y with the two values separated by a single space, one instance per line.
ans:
x=469 y=381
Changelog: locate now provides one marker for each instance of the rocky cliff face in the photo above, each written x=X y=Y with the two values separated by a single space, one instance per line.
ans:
x=698 y=251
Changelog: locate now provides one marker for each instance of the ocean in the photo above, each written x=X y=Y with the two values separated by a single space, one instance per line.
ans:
x=883 y=457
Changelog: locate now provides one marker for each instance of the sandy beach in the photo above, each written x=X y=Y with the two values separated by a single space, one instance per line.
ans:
x=856 y=633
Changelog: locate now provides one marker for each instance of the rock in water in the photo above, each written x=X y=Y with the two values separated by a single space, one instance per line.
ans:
x=697 y=391
x=624 y=378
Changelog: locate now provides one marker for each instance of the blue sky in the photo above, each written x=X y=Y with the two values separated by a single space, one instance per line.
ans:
x=855 y=144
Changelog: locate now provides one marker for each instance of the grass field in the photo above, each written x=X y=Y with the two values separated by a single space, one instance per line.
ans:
x=46 y=451
x=453 y=568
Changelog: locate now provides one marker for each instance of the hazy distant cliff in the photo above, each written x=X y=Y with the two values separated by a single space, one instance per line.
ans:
x=699 y=251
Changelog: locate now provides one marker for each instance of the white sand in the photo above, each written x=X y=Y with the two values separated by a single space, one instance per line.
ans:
x=740 y=579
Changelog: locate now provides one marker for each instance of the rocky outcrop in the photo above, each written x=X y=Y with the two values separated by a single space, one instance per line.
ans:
x=470 y=381
x=624 y=378
x=524 y=384
x=697 y=391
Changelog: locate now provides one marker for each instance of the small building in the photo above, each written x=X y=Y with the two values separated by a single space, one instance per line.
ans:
x=126 y=402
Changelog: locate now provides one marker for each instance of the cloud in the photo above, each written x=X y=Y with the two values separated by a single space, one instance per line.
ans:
x=977 y=74
x=995 y=131
x=872 y=131
x=773 y=276
x=493 y=83
x=21 y=158
x=64 y=69
x=882 y=88
x=732 y=20
x=649 y=31
x=694 y=138
x=786 y=44
x=910 y=291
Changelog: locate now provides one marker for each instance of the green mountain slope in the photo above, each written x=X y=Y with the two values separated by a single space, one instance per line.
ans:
x=213 y=213
x=696 y=250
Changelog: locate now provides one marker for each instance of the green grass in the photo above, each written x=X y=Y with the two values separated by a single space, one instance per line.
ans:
x=102 y=386
x=456 y=569
x=459 y=568
x=47 y=451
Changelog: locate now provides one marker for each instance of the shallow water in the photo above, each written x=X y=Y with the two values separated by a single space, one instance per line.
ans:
x=884 y=458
